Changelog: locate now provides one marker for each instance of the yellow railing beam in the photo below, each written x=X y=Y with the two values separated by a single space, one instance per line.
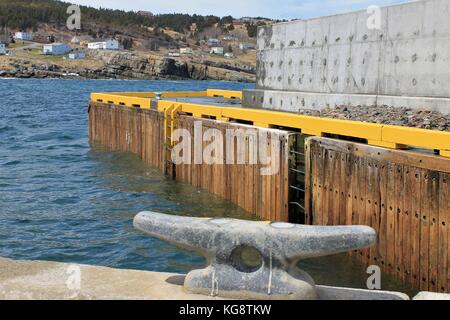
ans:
x=387 y=136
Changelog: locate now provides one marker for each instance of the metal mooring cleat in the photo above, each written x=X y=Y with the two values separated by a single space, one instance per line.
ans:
x=253 y=260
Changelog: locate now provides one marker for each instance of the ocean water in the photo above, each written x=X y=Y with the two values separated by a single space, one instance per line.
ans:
x=62 y=199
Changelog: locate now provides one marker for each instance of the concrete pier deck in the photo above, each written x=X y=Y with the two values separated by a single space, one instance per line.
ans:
x=43 y=280
x=40 y=280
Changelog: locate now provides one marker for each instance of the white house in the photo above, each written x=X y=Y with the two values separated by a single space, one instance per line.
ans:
x=213 y=42
x=186 y=51
x=246 y=46
x=75 y=40
x=217 y=50
x=77 y=55
x=173 y=54
x=27 y=36
x=2 y=49
x=110 y=44
x=56 y=49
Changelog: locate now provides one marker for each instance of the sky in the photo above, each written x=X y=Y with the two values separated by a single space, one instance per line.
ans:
x=275 y=9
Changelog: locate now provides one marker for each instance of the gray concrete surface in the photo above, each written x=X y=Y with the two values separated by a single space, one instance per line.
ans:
x=42 y=280
x=338 y=59
x=425 y=295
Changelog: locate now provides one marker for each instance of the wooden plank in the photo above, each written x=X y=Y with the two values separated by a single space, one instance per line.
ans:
x=315 y=153
x=335 y=188
x=326 y=186
x=355 y=194
x=349 y=204
x=369 y=203
x=416 y=203
x=323 y=208
x=382 y=239
x=344 y=187
x=399 y=212
x=284 y=169
x=309 y=188
x=376 y=209
x=390 y=217
x=444 y=232
x=433 y=213
x=424 y=229
x=408 y=214
x=362 y=192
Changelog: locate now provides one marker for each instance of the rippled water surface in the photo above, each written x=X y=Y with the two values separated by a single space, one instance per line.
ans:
x=64 y=200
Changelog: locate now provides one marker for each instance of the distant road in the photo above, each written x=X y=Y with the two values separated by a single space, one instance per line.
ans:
x=30 y=46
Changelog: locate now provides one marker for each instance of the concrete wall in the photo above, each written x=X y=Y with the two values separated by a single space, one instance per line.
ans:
x=408 y=56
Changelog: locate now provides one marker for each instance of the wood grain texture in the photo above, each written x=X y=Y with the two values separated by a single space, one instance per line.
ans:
x=141 y=131
x=403 y=195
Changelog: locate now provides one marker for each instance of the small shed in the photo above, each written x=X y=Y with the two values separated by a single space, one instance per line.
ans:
x=217 y=50
x=2 y=49
x=77 y=55
x=110 y=44
x=26 y=36
x=186 y=51
x=75 y=40
x=56 y=49
x=246 y=46
x=213 y=42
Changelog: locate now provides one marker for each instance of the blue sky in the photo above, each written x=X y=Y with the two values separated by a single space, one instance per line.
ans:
x=281 y=9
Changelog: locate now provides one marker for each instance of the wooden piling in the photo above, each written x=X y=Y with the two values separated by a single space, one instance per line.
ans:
x=141 y=131
x=403 y=195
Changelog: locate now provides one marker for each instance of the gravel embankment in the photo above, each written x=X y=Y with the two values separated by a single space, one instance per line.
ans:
x=419 y=118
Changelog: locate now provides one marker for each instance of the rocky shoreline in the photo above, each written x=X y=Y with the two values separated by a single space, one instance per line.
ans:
x=125 y=65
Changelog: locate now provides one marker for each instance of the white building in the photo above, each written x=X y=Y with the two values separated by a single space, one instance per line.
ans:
x=56 y=49
x=110 y=44
x=2 y=49
x=186 y=51
x=246 y=46
x=217 y=50
x=27 y=36
x=77 y=55
x=75 y=40
x=173 y=54
x=213 y=42
x=230 y=38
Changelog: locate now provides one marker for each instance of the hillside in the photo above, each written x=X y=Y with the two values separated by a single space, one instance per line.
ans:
x=28 y=14
x=141 y=33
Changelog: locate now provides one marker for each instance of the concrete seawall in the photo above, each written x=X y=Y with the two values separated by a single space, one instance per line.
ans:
x=397 y=56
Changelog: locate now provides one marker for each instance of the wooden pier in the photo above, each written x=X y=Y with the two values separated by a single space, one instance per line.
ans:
x=350 y=179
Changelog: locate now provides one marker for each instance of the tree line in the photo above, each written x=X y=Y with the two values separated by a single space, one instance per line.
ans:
x=28 y=14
